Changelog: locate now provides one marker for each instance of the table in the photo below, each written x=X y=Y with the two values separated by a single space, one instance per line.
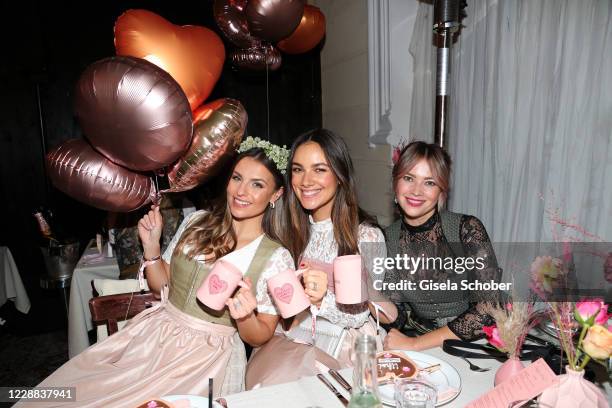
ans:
x=310 y=392
x=11 y=286
x=79 y=316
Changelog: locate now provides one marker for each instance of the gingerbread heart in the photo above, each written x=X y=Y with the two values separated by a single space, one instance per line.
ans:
x=216 y=285
x=193 y=55
x=284 y=293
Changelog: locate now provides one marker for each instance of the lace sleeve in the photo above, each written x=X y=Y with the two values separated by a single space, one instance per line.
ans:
x=353 y=316
x=167 y=256
x=476 y=243
x=279 y=261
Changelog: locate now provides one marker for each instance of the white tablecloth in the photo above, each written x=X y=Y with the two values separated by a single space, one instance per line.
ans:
x=11 y=286
x=310 y=391
x=79 y=316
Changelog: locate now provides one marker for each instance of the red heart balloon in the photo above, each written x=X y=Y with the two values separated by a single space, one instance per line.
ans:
x=193 y=55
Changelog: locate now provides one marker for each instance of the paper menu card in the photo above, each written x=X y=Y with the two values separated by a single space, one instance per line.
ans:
x=525 y=385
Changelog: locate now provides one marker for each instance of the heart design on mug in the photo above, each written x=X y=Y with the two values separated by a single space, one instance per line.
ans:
x=284 y=293
x=216 y=285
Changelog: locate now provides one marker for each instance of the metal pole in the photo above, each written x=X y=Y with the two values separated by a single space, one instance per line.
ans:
x=446 y=23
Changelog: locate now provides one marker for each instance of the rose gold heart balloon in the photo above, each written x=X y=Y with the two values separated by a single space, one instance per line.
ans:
x=308 y=34
x=193 y=55
x=133 y=113
x=219 y=127
x=273 y=20
x=84 y=174
x=230 y=18
x=257 y=58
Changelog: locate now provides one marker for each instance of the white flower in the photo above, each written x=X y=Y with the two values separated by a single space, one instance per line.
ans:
x=279 y=155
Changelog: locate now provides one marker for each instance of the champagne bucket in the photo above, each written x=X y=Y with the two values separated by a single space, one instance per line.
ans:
x=60 y=259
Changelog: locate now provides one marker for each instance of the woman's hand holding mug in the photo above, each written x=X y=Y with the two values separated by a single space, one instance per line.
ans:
x=315 y=284
x=243 y=303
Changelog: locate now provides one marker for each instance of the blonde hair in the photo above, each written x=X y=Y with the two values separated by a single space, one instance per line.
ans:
x=438 y=160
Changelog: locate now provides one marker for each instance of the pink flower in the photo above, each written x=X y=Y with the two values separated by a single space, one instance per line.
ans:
x=591 y=312
x=546 y=273
x=396 y=154
x=493 y=336
x=509 y=306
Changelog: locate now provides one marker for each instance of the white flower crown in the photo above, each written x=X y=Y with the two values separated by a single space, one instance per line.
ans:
x=279 y=155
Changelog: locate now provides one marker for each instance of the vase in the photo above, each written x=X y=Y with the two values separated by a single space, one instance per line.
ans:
x=512 y=366
x=571 y=390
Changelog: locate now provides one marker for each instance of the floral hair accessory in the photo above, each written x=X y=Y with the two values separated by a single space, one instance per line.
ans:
x=396 y=152
x=279 y=155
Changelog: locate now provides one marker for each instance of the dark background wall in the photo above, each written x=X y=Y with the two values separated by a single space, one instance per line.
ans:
x=46 y=46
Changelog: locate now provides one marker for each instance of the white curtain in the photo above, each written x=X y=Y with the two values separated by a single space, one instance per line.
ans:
x=531 y=123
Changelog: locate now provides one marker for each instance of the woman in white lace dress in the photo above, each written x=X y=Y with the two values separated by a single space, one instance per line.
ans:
x=325 y=222
x=175 y=347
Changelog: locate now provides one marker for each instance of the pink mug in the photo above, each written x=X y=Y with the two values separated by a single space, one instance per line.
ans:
x=288 y=293
x=347 y=279
x=220 y=284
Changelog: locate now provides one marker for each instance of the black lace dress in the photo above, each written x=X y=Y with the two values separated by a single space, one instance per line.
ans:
x=429 y=240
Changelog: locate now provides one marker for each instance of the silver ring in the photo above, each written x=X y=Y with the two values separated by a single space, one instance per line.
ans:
x=237 y=303
x=313 y=286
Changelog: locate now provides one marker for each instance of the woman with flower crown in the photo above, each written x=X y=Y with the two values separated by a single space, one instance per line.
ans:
x=176 y=346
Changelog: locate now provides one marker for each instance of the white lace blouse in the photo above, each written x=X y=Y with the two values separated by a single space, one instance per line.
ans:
x=280 y=260
x=322 y=246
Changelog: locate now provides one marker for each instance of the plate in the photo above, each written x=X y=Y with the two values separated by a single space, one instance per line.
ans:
x=195 y=401
x=443 y=378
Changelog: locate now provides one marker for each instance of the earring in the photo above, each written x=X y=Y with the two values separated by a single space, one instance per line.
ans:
x=395 y=200
x=272 y=205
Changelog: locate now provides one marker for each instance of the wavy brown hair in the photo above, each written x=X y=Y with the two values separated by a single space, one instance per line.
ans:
x=346 y=214
x=212 y=233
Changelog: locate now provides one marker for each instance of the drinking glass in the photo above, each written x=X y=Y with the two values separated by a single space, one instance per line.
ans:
x=415 y=393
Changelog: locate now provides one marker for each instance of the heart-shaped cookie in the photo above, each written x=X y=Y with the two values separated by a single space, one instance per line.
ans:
x=284 y=293
x=193 y=55
x=216 y=285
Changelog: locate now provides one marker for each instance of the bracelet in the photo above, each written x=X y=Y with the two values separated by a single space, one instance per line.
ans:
x=155 y=258
x=143 y=264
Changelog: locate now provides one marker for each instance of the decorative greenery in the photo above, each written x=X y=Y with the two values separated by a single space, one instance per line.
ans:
x=279 y=155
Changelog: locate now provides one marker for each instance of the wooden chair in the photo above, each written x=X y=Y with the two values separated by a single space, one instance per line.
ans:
x=112 y=308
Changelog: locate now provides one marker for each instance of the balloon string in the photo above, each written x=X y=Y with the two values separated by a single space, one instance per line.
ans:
x=267 y=104
x=157 y=196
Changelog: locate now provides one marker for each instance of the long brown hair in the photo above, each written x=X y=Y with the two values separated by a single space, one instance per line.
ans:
x=438 y=160
x=212 y=233
x=346 y=214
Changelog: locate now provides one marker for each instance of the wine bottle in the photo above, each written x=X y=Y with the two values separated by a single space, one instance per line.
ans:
x=43 y=218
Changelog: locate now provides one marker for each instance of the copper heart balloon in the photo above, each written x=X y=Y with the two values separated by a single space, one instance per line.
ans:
x=219 y=127
x=231 y=20
x=308 y=34
x=84 y=174
x=133 y=113
x=193 y=55
x=273 y=20
x=257 y=58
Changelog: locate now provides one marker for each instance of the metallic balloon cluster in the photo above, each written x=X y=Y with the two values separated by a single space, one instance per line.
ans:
x=136 y=112
x=253 y=25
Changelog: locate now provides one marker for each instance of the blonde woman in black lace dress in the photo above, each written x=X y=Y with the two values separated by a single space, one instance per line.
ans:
x=426 y=316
